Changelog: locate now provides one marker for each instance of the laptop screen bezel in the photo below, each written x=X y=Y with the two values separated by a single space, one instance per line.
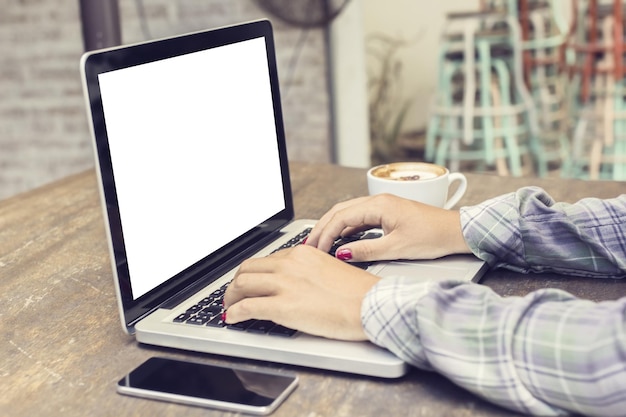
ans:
x=98 y=62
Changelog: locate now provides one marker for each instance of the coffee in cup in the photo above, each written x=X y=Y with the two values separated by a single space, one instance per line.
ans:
x=419 y=181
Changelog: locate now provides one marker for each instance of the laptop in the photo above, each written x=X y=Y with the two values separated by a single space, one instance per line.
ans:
x=194 y=178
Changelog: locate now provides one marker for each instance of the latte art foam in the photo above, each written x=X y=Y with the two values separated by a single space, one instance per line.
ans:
x=411 y=176
x=408 y=171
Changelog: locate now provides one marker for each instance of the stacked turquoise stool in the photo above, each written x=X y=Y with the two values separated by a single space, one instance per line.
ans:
x=598 y=90
x=482 y=113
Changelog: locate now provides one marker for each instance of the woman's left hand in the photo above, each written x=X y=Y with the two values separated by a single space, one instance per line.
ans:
x=301 y=288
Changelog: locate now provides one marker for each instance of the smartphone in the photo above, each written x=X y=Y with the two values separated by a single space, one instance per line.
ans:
x=228 y=388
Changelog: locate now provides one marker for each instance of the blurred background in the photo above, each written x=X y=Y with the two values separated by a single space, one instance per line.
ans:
x=524 y=88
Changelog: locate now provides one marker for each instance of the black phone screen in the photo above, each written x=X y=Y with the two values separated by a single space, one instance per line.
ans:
x=209 y=382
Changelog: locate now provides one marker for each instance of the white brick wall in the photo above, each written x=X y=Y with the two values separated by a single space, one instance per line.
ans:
x=43 y=128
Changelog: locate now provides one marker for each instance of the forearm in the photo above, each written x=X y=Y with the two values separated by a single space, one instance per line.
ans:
x=529 y=232
x=530 y=354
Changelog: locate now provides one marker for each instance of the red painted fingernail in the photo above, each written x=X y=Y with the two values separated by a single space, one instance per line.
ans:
x=224 y=317
x=304 y=241
x=344 y=254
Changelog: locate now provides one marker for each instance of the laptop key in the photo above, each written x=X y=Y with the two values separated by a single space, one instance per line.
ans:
x=194 y=309
x=243 y=325
x=279 y=330
x=181 y=318
x=299 y=238
x=206 y=301
x=216 y=322
x=213 y=309
x=261 y=326
x=198 y=320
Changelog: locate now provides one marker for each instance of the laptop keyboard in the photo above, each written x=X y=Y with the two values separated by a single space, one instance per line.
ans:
x=209 y=310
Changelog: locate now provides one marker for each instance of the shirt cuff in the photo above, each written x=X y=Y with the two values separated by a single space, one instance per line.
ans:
x=492 y=232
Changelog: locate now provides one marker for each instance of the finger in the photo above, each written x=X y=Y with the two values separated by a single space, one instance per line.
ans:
x=260 y=308
x=323 y=222
x=262 y=265
x=249 y=285
x=343 y=222
x=365 y=250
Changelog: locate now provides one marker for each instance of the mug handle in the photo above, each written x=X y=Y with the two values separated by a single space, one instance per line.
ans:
x=462 y=180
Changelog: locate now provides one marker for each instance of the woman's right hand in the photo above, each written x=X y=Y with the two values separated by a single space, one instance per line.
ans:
x=412 y=230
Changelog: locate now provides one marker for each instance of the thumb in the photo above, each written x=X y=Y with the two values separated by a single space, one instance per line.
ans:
x=363 y=250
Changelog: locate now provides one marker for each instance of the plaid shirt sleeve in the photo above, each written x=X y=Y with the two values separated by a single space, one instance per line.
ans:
x=527 y=231
x=547 y=353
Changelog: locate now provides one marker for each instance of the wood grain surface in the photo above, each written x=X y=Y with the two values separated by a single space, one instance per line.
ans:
x=62 y=347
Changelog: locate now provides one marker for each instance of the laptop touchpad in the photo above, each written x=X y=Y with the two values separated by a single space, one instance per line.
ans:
x=437 y=270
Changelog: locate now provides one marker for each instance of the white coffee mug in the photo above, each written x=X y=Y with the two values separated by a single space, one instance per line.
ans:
x=419 y=181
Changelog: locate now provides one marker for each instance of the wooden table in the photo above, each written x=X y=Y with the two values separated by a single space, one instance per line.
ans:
x=62 y=348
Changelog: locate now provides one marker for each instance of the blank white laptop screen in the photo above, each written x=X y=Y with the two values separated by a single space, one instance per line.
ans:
x=191 y=117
